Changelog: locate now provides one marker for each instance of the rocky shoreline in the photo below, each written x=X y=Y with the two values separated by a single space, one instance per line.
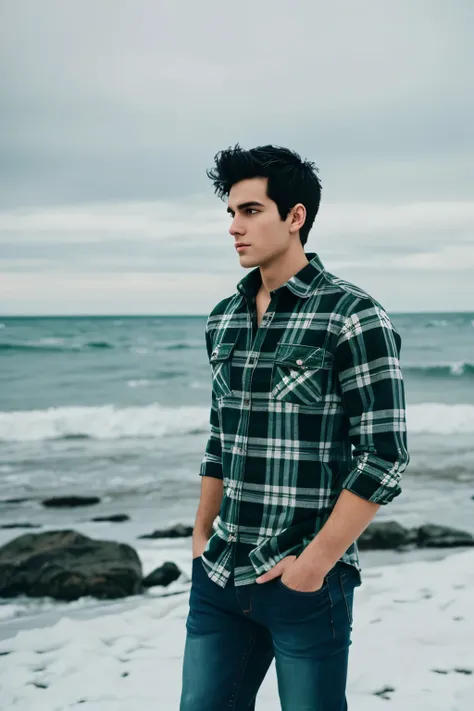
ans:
x=67 y=565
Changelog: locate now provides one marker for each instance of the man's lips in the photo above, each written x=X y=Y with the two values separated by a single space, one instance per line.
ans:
x=241 y=245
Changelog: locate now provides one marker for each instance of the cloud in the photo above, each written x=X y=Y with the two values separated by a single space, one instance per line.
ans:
x=105 y=292
x=131 y=103
x=179 y=258
x=111 y=113
x=136 y=233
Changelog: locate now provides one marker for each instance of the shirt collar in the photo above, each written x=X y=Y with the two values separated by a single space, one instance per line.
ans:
x=303 y=284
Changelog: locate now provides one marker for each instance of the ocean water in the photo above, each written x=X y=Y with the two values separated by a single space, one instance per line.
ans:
x=118 y=407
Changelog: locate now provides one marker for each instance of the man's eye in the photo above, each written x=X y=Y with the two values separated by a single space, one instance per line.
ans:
x=247 y=210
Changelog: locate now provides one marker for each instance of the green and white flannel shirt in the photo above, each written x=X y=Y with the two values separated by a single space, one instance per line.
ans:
x=307 y=404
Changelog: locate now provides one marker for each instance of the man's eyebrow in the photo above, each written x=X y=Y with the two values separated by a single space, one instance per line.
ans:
x=244 y=205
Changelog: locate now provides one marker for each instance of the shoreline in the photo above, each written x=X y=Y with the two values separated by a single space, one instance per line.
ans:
x=32 y=613
x=412 y=644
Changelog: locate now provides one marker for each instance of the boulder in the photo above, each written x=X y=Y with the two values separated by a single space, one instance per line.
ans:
x=162 y=576
x=70 y=501
x=384 y=535
x=432 y=536
x=13 y=501
x=114 y=518
x=66 y=565
x=177 y=531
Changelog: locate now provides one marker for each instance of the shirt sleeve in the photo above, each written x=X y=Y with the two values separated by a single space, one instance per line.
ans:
x=370 y=378
x=211 y=464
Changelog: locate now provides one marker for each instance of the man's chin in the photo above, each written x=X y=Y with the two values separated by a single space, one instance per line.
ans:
x=247 y=261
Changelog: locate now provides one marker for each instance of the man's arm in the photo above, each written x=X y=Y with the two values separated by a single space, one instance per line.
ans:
x=348 y=520
x=373 y=395
x=368 y=367
x=209 y=506
x=212 y=480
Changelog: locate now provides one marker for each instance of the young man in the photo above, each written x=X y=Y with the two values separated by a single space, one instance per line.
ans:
x=307 y=440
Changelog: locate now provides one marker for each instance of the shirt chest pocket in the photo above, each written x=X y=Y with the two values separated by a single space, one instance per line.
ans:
x=301 y=374
x=220 y=361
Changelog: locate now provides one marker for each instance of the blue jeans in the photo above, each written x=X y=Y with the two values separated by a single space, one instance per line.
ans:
x=233 y=634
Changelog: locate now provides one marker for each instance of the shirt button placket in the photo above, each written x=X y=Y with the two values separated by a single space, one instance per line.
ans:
x=232 y=538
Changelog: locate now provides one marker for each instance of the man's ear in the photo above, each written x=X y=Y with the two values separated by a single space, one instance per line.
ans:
x=298 y=217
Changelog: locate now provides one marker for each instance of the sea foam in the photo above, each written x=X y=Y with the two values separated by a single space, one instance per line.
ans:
x=104 y=422
x=111 y=422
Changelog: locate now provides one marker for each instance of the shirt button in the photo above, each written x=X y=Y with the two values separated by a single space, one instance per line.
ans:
x=232 y=537
x=246 y=402
x=299 y=362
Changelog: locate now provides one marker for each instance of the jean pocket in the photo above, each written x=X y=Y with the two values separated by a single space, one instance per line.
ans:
x=301 y=593
x=301 y=374
x=196 y=565
x=348 y=583
x=351 y=577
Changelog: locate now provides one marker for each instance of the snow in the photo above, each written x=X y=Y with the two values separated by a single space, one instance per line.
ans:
x=413 y=633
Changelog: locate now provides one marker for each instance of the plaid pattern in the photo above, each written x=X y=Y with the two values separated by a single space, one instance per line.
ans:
x=308 y=404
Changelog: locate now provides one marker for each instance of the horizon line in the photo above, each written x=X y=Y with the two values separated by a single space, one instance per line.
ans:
x=190 y=315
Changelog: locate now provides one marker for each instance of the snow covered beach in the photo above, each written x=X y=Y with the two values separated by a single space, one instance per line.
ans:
x=413 y=647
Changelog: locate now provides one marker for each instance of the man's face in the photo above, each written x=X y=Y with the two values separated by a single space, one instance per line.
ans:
x=256 y=222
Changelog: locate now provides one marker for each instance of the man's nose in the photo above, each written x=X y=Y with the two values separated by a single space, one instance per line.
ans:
x=236 y=227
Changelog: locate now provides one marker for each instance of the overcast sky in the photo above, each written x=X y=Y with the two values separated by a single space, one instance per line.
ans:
x=111 y=111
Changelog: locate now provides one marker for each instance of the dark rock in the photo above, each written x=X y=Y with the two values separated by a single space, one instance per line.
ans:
x=385 y=692
x=384 y=535
x=66 y=565
x=114 y=518
x=13 y=501
x=70 y=501
x=20 y=525
x=162 y=576
x=432 y=536
x=178 y=531
x=412 y=537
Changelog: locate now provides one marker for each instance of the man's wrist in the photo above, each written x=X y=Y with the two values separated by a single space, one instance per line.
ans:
x=318 y=564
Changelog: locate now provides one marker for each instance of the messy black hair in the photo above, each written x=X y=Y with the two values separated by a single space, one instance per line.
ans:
x=290 y=179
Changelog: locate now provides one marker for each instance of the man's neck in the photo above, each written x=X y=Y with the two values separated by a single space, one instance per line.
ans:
x=278 y=273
